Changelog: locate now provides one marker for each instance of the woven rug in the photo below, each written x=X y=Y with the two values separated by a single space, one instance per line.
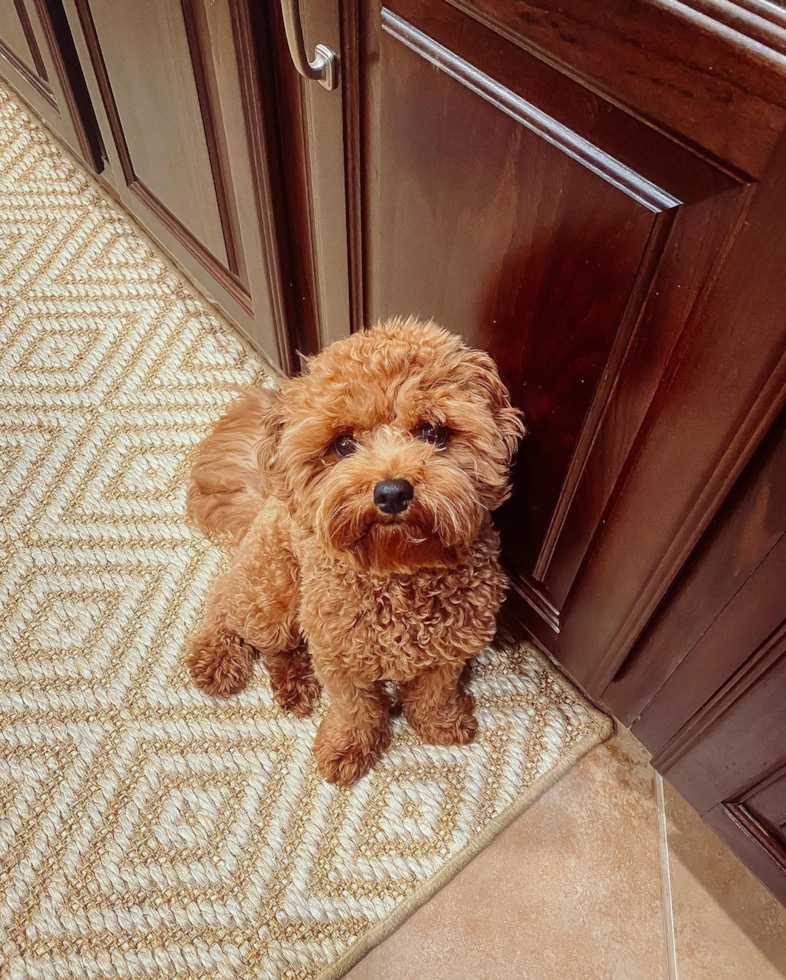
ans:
x=147 y=831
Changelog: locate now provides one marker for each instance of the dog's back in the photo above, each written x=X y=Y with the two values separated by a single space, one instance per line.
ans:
x=226 y=489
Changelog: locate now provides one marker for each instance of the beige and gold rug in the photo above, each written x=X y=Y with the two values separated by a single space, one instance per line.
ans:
x=147 y=831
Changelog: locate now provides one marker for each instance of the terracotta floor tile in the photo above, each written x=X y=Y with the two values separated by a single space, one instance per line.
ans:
x=571 y=891
x=727 y=925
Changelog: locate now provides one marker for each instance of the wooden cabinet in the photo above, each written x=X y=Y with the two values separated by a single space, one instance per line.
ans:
x=179 y=89
x=733 y=767
x=593 y=193
x=38 y=58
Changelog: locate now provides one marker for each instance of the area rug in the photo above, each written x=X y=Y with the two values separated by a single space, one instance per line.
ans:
x=147 y=831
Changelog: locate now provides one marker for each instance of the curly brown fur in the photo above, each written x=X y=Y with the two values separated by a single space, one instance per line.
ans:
x=407 y=597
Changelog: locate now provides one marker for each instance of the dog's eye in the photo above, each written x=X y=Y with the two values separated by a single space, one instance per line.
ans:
x=437 y=435
x=344 y=446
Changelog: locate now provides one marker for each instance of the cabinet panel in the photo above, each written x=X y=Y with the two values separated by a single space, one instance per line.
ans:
x=38 y=59
x=718 y=610
x=182 y=90
x=767 y=805
x=704 y=70
x=18 y=43
x=753 y=844
x=716 y=724
x=152 y=58
x=729 y=762
x=720 y=396
x=553 y=248
x=738 y=738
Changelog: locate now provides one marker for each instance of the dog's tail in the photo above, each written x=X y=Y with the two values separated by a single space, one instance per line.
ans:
x=227 y=486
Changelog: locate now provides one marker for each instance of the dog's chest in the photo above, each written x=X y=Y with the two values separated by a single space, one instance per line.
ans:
x=412 y=621
x=395 y=627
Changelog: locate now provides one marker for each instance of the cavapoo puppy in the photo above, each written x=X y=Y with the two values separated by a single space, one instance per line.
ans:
x=358 y=499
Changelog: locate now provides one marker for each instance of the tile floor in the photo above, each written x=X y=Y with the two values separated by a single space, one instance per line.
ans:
x=574 y=890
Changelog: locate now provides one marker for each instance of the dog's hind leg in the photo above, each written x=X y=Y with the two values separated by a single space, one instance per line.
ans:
x=292 y=679
x=219 y=660
x=253 y=608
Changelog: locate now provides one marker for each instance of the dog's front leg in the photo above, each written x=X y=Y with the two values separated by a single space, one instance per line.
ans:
x=355 y=730
x=437 y=706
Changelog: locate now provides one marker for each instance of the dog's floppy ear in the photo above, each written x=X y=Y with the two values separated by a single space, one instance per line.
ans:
x=484 y=377
x=234 y=467
x=268 y=411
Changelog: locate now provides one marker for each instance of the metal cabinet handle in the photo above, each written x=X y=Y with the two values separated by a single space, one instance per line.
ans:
x=324 y=67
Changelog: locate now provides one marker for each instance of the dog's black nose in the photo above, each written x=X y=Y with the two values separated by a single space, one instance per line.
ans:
x=393 y=496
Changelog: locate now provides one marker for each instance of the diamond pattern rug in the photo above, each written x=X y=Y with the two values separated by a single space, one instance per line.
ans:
x=147 y=831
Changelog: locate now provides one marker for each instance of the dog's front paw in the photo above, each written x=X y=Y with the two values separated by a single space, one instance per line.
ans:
x=219 y=663
x=344 y=756
x=461 y=731
x=458 y=726
x=343 y=766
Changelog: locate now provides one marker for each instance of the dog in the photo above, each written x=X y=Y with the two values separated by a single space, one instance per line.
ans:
x=357 y=499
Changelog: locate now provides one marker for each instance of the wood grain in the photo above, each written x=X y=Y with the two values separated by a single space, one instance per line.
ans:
x=553 y=246
x=715 y=403
x=711 y=83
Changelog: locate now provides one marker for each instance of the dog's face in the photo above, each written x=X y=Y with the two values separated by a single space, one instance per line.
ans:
x=394 y=446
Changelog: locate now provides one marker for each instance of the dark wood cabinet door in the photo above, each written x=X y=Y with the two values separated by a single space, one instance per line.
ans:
x=584 y=189
x=37 y=57
x=729 y=762
x=705 y=689
x=182 y=93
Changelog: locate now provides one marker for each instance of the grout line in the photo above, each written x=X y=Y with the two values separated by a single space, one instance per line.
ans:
x=665 y=880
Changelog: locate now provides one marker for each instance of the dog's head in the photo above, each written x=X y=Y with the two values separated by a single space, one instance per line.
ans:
x=394 y=445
